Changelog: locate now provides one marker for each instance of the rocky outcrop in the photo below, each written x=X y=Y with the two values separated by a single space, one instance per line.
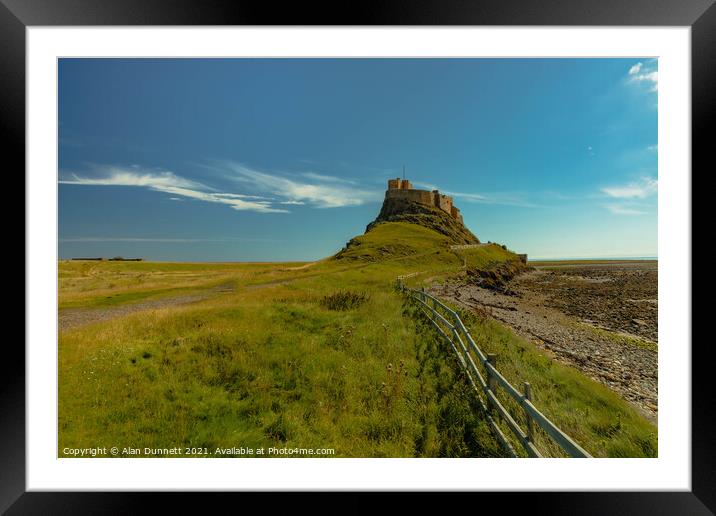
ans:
x=403 y=210
x=496 y=277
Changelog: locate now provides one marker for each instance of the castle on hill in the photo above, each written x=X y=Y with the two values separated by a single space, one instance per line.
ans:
x=403 y=189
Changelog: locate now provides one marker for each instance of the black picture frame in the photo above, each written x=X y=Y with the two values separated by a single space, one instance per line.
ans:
x=17 y=15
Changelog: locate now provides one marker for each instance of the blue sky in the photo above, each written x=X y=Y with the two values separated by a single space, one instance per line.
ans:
x=287 y=159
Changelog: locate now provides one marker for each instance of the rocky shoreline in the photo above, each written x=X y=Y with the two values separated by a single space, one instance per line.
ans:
x=600 y=319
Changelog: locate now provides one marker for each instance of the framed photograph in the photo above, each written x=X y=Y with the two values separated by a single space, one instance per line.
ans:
x=418 y=248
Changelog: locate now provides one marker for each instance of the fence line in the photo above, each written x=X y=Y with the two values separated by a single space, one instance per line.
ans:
x=468 y=246
x=412 y=274
x=462 y=343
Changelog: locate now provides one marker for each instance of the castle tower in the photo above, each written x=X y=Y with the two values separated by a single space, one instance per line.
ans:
x=394 y=184
x=436 y=198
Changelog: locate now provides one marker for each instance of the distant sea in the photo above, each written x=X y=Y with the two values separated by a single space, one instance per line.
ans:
x=613 y=258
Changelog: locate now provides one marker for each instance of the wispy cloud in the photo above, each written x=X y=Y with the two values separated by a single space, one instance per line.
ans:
x=168 y=182
x=161 y=240
x=501 y=198
x=642 y=189
x=131 y=176
x=652 y=148
x=632 y=197
x=645 y=73
x=318 y=190
x=269 y=192
x=327 y=179
x=623 y=210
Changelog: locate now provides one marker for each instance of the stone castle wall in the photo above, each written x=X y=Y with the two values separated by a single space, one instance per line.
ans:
x=403 y=189
x=442 y=201
x=421 y=196
x=455 y=212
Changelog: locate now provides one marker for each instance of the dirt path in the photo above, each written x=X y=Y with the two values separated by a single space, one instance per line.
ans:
x=70 y=318
x=607 y=357
x=276 y=283
x=300 y=267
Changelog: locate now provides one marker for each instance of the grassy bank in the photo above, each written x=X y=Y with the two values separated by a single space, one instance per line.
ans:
x=593 y=415
x=280 y=361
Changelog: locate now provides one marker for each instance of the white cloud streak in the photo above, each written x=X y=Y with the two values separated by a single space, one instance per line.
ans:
x=162 y=240
x=327 y=179
x=645 y=73
x=309 y=188
x=317 y=190
x=638 y=190
x=168 y=182
x=623 y=210
x=506 y=199
x=629 y=196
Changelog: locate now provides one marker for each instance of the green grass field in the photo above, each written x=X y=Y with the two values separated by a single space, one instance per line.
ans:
x=323 y=355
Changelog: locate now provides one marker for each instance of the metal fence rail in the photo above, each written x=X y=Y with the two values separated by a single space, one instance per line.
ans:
x=451 y=328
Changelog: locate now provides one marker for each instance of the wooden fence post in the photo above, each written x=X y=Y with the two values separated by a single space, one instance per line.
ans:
x=491 y=380
x=528 y=396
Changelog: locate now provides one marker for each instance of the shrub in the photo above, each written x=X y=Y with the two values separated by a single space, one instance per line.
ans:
x=344 y=300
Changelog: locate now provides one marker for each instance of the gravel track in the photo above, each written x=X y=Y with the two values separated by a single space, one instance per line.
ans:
x=69 y=318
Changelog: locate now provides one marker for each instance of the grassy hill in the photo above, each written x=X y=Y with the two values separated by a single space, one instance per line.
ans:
x=393 y=240
x=323 y=355
x=403 y=210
